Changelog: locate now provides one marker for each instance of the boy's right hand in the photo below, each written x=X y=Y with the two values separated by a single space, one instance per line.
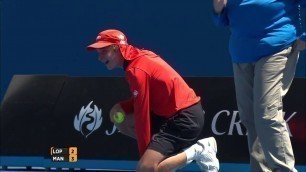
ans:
x=116 y=108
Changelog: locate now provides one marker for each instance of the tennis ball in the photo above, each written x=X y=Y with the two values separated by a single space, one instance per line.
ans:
x=118 y=118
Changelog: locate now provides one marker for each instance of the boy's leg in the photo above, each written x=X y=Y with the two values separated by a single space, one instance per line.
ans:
x=155 y=161
x=204 y=152
x=152 y=161
x=175 y=134
x=174 y=162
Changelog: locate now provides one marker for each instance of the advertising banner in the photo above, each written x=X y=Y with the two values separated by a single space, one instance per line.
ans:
x=67 y=118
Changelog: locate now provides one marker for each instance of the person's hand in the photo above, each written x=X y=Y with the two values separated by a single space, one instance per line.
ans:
x=116 y=108
x=219 y=5
x=299 y=45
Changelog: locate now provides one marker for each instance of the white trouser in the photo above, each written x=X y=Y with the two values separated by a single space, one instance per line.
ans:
x=260 y=87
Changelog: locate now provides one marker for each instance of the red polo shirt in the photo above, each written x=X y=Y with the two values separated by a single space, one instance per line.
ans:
x=155 y=87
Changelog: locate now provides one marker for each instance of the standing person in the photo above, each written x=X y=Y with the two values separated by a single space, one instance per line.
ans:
x=266 y=38
x=157 y=89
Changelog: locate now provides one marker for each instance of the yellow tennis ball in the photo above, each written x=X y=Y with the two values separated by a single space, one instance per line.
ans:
x=118 y=118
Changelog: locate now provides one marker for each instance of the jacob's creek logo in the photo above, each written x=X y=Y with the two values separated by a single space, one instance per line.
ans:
x=88 y=120
x=235 y=126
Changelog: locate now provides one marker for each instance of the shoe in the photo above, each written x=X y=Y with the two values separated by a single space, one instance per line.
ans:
x=207 y=159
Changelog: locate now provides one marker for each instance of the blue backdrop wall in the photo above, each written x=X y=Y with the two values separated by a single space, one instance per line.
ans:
x=49 y=37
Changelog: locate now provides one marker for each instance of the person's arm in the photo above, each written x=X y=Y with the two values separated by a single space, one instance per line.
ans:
x=219 y=13
x=299 y=45
x=127 y=105
x=139 y=86
x=219 y=5
x=301 y=42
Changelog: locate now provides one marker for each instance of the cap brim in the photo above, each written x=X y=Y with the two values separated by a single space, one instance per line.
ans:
x=99 y=44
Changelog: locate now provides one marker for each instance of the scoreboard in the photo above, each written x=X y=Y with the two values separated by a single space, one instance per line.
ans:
x=64 y=154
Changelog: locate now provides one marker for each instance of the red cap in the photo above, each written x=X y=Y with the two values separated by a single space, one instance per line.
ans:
x=108 y=37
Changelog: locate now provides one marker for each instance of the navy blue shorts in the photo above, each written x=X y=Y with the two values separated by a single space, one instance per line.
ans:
x=179 y=131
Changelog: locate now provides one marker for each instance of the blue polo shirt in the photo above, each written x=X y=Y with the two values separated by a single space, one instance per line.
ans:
x=261 y=28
